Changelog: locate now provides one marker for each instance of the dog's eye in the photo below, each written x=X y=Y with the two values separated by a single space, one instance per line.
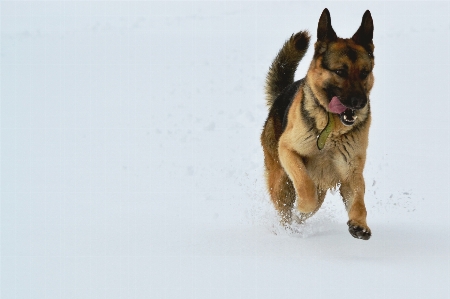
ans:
x=341 y=73
x=364 y=74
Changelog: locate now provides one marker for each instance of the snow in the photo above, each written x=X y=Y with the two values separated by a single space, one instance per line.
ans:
x=131 y=164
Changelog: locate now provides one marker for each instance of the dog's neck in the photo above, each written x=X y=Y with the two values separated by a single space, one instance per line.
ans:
x=309 y=95
x=315 y=109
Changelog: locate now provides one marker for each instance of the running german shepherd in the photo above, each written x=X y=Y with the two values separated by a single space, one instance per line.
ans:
x=316 y=134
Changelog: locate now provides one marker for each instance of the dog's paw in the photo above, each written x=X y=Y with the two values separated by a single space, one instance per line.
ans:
x=359 y=231
x=300 y=218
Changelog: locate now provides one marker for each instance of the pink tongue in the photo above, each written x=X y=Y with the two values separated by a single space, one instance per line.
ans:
x=336 y=106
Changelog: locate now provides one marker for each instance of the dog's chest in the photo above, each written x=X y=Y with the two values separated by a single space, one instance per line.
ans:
x=332 y=164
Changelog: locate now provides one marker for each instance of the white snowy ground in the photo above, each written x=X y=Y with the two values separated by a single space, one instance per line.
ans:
x=131 y=164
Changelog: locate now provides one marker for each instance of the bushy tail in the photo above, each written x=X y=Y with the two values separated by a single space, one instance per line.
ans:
x=282 y=70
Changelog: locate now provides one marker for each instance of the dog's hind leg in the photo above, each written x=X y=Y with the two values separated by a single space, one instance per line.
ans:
x=280 y=188
x=279 y=185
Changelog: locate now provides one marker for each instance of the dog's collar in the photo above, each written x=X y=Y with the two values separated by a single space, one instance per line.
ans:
x=322 y=138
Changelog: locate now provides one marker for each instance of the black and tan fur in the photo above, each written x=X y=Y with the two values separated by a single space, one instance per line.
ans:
x=296 y=170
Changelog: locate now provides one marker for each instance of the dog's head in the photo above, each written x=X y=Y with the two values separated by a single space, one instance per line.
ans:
x=340 y=74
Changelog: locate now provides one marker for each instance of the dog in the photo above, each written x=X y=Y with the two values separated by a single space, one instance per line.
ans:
x=316 y=134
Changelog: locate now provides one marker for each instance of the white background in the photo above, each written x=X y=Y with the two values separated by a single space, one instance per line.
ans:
x=131 y=164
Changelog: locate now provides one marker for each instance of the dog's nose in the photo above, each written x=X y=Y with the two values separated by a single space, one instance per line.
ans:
x=358 y=102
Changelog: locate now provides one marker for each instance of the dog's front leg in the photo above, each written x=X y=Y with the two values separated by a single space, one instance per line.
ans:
x=305 y=189
x=352 y=192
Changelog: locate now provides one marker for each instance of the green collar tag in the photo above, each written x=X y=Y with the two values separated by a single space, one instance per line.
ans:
x=325 y=132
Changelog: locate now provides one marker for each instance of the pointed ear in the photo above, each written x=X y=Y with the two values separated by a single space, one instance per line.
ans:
x=364 y=35
x=325 y=32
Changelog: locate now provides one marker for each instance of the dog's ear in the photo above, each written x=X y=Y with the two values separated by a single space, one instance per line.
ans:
x=325 y=32
x=364 y=35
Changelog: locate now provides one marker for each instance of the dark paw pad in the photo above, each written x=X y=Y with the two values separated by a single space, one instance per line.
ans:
x=359 y=232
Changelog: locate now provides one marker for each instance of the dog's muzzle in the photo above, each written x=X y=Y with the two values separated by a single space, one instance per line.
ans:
x=346 y=113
